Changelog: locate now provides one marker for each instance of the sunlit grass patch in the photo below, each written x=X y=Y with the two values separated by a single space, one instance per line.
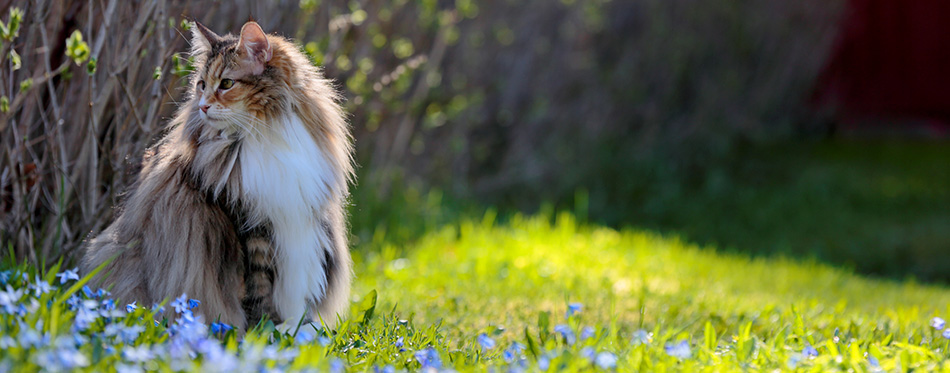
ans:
x=531 y=295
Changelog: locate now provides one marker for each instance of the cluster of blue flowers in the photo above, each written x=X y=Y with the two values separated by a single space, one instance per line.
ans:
x=99 y=328
x=180 y=339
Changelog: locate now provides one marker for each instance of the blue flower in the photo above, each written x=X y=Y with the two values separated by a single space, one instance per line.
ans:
x=429 y=358
x=21 y=310
x=187 y=318
x=112 y=330
x=218 y=327
x=7 y=342
x=130 y=307
x=587 y=332
x=679 y=350
x=485 y=341
x=513 y=352
x=86 y=290
x=566 y=332
x=61 y=359
x=84 y=318
x=4 y=277
x=946 y=334
x=588 y=353
x=938 y=323
x=31 y=338
x=193 y=303
x=399 y=342
x=809 y=351
x=544 y=363
x=41 y=287
x=102 y=293
x=130 y=333
x=138 y=354
x=323 y=341
x=122 y=368
x=9 y=299
x=69 y=274
x=385 y=369
x=73 y=302
x=641 y=337
x=158 y=308
x=303 y=337
x=793 y=360
x=337 y=366
x=873 y=361
x=79 y=339
x=108 y=304
x=573 y=308
x=606 y=360
x=180 y=304
x=509 y=356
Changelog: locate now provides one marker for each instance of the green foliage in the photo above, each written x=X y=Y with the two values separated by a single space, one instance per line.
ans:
x=478 y=296
x=870 y=205
x=91 y=66
x=26 y=85
x=181 y=66
x=10 y=30
x=76 y=48
x=15 y=60
x=478 y=276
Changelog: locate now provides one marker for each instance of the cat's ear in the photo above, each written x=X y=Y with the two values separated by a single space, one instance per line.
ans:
x=255 y=46
x=202 y=38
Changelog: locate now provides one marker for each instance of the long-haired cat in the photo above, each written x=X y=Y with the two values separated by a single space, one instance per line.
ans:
x=240 y=204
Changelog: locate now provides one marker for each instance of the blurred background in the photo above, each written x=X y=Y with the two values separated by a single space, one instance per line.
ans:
x=801 y=128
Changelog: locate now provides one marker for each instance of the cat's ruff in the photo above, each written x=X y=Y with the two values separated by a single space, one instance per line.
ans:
x=278 y=175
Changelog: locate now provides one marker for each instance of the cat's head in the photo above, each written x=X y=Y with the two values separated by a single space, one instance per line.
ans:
x=238 y=81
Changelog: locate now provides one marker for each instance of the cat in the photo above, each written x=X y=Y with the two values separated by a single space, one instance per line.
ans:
x=241 y=203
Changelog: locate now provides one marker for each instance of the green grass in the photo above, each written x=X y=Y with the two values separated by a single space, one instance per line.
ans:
x=513 y=282
x=880 y=207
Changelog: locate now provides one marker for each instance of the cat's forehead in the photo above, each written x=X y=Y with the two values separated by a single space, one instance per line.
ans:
x=222 y=56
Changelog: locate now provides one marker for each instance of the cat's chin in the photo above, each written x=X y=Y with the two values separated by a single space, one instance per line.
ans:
x=215 y=123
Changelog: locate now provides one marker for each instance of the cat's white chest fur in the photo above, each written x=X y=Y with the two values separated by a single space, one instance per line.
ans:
x=287 y=180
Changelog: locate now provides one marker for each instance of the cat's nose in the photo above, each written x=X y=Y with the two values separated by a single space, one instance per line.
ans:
x=205 y=108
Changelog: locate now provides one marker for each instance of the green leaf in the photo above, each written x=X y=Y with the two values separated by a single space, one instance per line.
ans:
x=544 y=322
x=26 y=84
x=76 y=48
x=12 y=28
x=709 y=336
x=532 y=347
x=15 y=59
x=91 y=67
x=368 y=305
x=745 y=344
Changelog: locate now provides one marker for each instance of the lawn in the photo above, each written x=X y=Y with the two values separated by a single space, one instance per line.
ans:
x=880 y=207
x=533 y=293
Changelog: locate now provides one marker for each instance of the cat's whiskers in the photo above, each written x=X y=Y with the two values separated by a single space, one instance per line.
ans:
x=249 y=124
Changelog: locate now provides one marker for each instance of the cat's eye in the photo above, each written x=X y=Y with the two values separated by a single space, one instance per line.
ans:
x=201 y=85
x=226 y=84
